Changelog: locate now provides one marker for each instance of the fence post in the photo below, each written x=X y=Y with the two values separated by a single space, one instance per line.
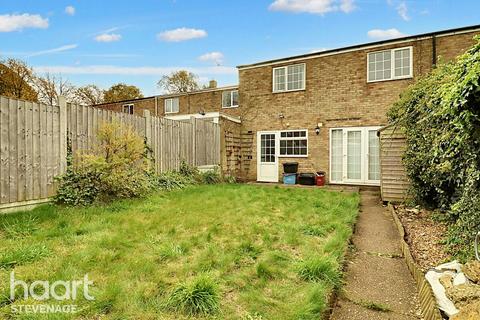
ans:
x=148 y=127
x=193 y=121
x=62 y=103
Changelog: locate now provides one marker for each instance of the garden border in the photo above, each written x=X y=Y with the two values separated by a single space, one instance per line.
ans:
x=428 y=303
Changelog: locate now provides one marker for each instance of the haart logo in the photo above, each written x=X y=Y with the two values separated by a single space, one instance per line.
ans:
x=44 y=290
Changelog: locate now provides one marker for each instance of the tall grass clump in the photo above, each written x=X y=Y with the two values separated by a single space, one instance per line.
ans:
x=197 y=297
x=320 y=268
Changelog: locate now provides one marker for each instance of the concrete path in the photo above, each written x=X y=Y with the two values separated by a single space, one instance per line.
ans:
x=376 y=272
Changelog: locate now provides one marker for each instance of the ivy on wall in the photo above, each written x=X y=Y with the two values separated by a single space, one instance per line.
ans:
x=441 y=117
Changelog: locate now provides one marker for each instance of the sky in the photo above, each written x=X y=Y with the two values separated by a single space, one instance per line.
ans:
x=104 y=42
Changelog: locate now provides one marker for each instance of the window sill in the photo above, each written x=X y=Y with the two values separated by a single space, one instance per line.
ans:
x=394 y=79
x=172 y=112
x=293 y=156
x=232 y=107
x=288 y=91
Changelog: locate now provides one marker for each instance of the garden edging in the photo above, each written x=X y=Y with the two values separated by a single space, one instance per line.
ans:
x=428 y=303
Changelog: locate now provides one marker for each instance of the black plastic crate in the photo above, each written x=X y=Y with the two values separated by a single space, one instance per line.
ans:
x=307 y=179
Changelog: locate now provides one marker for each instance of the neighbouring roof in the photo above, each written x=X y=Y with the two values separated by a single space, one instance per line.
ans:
x=362 y=46
x=171 y=95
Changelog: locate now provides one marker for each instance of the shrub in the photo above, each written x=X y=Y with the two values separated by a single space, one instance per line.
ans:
x=441 y=118
x=117 y=167
x=320 y=269
x=172 y=180
x=197 y=297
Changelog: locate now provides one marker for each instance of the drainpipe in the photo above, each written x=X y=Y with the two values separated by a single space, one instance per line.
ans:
x=156 y=106
x=434 y=51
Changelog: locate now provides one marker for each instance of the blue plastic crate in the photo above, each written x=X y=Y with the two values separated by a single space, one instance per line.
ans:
x=289 y=178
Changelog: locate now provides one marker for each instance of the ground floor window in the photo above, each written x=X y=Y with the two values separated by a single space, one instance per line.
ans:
x=294 y=143
x=354 y=155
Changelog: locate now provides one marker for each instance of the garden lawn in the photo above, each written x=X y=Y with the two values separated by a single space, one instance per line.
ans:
x=216 y=251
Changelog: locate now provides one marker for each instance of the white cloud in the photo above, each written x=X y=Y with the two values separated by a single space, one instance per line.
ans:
x=70 y=10
x=181 y=34
x=216 y=57
x=108 y=37
x=17 y=22
x=379 y=34
x=144 y=71
x=54 y=50
x=313 y=6
x=347 y=6
x=402 y=11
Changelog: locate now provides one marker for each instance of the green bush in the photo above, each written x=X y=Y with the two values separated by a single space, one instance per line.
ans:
x=118 y=167
x=197 y=297
x=441 y=118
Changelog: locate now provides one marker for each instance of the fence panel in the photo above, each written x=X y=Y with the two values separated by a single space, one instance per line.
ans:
x=33 y=143
x=29 y=150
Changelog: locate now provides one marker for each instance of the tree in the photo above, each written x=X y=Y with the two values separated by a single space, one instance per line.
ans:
x=122 y=91
x=50 y=87
x=179 y=81
x=88 y=95
x=16 y=78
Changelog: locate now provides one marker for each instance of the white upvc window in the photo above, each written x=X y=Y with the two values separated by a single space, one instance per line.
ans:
x=171 y=105
x=293 y=143
x=289 y=78
x=230 y=99
x=128 y=108
x=390 y=64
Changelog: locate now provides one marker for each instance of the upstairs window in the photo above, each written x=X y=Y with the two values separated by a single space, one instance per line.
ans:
x=289 y=78
x=171 y=105
x=230 y=99
x=128 y=108
x=294 y=143
x=390 y=64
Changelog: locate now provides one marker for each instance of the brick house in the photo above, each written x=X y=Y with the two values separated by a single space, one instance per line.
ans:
x=323 y=109
x=208 y=103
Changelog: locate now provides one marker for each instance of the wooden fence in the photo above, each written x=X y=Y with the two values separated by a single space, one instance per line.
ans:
x=33 y=143
x=394 y=180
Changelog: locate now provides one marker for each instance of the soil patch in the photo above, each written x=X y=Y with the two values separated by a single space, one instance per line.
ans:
x=424 y=237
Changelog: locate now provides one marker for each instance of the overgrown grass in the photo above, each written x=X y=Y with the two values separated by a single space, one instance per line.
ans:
x=211 y=251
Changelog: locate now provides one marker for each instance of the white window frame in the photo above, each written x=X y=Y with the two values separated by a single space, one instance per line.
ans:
x=292 y=138
x=286 y=78
x=171 y=105
x=392 y=66
x=364 y=180
x=130 y=106
x=231 y=99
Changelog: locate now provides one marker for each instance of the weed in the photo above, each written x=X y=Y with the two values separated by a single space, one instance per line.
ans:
x=320 y=268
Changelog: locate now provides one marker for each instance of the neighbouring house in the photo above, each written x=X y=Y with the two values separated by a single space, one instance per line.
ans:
x=322 y=109
x=210 y=103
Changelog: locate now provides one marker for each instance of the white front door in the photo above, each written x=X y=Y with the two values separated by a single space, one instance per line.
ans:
x=355 y=156
x=267 y=156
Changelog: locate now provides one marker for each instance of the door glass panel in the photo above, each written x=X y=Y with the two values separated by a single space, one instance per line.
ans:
x=337 y=155
x=373 y=156
x=354 y=155
x=267 y=148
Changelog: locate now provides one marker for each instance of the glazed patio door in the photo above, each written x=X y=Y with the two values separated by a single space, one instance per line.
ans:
x=355 y=156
